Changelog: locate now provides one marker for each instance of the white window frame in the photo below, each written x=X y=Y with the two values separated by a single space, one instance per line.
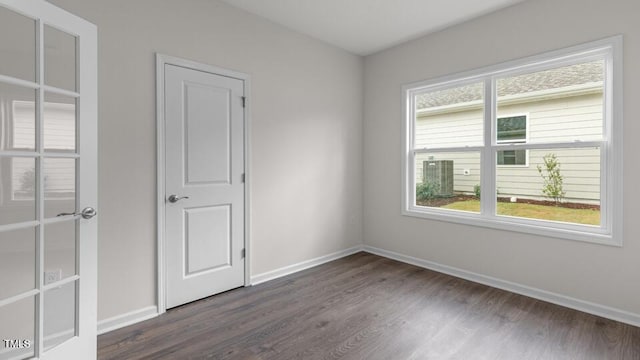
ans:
x=611 y=197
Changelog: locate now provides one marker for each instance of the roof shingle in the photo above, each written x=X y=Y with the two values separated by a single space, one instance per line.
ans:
x=584 y=73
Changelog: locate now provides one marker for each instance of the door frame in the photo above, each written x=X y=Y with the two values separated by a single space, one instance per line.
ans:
x=161 y=61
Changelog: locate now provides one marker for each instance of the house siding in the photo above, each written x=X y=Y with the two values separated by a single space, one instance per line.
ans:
x=549 y=120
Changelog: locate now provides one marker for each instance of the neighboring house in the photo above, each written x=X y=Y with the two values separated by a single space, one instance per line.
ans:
x=564 y=104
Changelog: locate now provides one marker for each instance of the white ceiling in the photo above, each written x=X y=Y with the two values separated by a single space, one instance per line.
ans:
x=367 y=26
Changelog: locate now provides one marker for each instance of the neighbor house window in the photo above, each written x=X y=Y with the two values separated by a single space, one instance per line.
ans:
x=531 y=145
x=512 y=130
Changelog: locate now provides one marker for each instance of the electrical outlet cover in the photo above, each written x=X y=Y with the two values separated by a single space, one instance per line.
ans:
x=52 y=276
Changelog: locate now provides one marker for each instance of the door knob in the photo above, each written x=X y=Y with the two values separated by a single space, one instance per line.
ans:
x=175 y=198
x=86 y=213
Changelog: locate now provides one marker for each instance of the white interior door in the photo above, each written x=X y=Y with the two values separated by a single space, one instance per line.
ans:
x=204 y=187
x=48 y=182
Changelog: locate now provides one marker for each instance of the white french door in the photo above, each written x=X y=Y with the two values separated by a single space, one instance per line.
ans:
x=48 y=182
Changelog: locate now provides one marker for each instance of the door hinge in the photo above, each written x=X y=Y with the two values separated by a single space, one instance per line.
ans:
x=242 y=253
x=244 y=101
x=242 y=177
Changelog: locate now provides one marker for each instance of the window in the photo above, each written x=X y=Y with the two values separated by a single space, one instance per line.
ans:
x=531 y=145
x=512 y=130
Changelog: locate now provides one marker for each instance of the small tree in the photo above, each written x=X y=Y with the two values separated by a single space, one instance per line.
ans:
x=476 y=190
x=552 y=187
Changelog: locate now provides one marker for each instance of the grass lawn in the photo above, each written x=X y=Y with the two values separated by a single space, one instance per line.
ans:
x=580 y=216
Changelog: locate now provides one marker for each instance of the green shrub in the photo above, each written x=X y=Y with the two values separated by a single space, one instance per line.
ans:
x=476 y=190
x=426 y=190
x=553 y=180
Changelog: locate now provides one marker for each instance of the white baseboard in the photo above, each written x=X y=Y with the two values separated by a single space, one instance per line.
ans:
x=139 y=315
x=130 y=318
x=558 y=299
x=287 y=270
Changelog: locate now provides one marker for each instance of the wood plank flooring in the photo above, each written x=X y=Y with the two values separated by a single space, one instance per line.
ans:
x=368 y=307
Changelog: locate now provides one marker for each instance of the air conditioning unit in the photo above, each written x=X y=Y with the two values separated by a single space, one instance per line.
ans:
x=439 y=172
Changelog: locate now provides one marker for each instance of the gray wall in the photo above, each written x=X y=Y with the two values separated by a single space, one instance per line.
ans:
x=601 y=274
x=306 y=126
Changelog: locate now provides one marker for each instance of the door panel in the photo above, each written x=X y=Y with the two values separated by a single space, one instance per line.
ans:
x=208 y=231
x=48 y=173
x=204 y=232
x=207 y=144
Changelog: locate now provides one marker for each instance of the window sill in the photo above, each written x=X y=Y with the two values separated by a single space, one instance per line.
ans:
x=512 y=166
x=582 y=233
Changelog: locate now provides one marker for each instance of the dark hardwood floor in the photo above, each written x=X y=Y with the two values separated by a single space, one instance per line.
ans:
x=368 y=307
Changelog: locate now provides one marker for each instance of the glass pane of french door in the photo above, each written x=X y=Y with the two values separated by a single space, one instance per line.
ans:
x=18 y=255
x=39 y=239
x=18 y=50
x=18 y=329
x=18 y=117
